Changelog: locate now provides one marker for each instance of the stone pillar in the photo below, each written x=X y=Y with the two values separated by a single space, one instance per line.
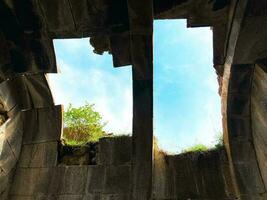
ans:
x=141 y=30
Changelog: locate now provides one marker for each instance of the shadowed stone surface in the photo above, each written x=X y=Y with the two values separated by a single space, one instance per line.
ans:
x=259 y=116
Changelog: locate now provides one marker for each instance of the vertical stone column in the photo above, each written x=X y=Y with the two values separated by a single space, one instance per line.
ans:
x=142 y=137
x=141 y=30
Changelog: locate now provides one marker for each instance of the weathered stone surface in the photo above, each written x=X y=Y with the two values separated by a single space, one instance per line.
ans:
x=26 y=47
x=247 y=173
x=240 y=128
x=70 y=197
x=115 y=197
x=114 y=151
x=43 y=125
x=17 y=197
x=39 y=155
x=7 y=97
x=259 y=119
x=58 y=17
x=239 y=105
x=6 y=181
x=159 y=173
x=193 y=175
x=243 y=78
x=12 y=132
x=26 y=91
x=68 y=180
x=10 y=142
x=96 y=179
x=242 y=154
x=56 y=197
x=120 y=49
x=8 y=159
x=118 y=179
x=30 y=181
x=94 y=196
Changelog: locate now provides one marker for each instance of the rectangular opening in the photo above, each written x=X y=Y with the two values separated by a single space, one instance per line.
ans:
x=187 y=111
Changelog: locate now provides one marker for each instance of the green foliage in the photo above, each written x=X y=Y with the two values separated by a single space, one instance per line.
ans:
x=82 y=125
x=202 y=147
x=196 y=148
x=219 y=141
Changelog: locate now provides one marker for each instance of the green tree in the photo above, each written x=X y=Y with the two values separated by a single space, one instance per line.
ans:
x=196 y=148
x=82 y=124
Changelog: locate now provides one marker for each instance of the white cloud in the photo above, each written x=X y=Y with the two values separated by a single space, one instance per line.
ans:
x=110 y=92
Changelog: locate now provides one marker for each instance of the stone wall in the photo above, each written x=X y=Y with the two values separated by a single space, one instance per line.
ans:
x=38 y=175
x=196 y=175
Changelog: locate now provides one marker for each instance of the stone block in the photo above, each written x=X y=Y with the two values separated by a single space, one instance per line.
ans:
x=8 y=159
x=239 y=105
x=69 y=180
x=249 y=178
x=259 y=118
x=243 y=75
x=117 y=179
x=20 y=197
x=5 y=179
x=30 y=181
x=26 y=91
x=243 y=151
x=93 y=196
x=115 y=197
x=239 y=129
x=38 y=90
x=12 y=132
x=59 y=18
x=7 y=95
x=96 y=179
x=70 y=197
x=39 y=155
x=115 y=150
x=182 y=176
x=43 y=125
x=47 y=197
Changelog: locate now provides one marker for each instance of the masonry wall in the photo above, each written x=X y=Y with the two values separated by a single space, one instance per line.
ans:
x=196 y=175
x=38 y=175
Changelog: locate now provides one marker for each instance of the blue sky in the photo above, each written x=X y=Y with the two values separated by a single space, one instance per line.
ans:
x=186 y=101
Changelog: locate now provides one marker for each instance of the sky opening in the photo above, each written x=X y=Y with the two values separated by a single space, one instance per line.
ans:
x=87 y=77
x=186 y=101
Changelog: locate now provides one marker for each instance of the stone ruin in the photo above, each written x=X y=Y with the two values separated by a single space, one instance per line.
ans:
x=32 y=165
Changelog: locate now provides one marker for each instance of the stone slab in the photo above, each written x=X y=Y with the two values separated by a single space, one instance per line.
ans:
x=259 y=118
x=8 y=159
x=43 y=125
x=68 y=180
x=30 y=181
x=118 y=180
x=115 y=197
x=26 y=91
x=96 y=179
x=13 y=131
x=115 y=151
x=39 y=155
